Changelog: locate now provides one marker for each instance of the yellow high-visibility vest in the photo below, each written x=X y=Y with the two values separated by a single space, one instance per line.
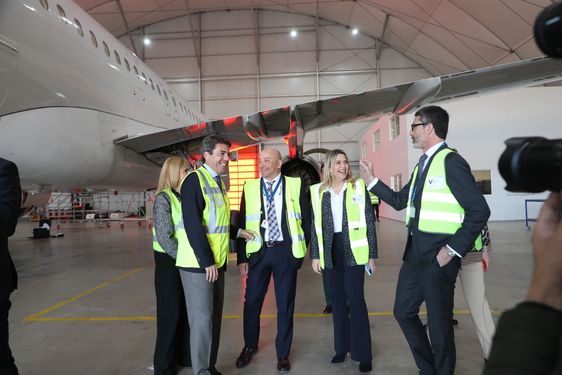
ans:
x=374 y=198
x=440 y=212
x=355 y=201
x=216 y=221
x=177 y=219
x=253 y=205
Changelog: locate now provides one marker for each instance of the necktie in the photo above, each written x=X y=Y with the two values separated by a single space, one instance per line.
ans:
x=218 y=181
x=421 y=163
x=271 y=214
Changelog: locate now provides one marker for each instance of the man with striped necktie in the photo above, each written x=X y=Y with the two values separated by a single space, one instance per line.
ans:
x=281 y=217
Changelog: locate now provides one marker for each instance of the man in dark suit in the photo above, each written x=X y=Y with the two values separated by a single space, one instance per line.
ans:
x=445 y=214
x=277 y=208
x=10 y=203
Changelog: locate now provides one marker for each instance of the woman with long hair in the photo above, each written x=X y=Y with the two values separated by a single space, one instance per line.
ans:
x=344 y=246
x=172 y=327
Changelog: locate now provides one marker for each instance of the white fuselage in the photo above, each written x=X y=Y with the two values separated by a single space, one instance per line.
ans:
x=63 y=101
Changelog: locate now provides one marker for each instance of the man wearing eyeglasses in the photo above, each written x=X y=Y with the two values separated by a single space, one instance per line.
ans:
x=445 y=212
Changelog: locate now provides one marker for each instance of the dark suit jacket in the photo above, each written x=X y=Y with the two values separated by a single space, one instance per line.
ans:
x=10 y=203
x=328 y=232
x=304 y=202
x=424 y=246
x=528 y=341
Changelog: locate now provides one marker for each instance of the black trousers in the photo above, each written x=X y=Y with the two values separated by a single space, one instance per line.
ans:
x=172 y=328
x=7 y=365
x=435 y=285
x=352 y=331
x=276 y=261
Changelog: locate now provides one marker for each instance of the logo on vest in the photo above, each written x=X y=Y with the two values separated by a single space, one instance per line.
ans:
x=437 y=182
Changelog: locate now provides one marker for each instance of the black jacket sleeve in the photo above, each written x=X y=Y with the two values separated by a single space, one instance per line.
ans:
x=528 y=341
x=10 y=198
x=240 y=243
x=396 y=199
x=192 y=206
x=371 y=227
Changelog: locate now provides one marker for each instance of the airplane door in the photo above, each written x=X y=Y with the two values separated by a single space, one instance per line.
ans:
x=8 y=66
x=139 y=94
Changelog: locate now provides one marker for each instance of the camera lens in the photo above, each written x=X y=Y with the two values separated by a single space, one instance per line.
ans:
x=548 y=30
x=532 y=164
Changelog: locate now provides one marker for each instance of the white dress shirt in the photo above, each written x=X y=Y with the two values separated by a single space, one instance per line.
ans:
x=336 y=201
x=278 y=201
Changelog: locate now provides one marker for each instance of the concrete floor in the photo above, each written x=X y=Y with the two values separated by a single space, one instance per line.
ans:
x=86 y=305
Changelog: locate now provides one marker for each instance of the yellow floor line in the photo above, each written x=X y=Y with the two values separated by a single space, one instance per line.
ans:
x=37 y=316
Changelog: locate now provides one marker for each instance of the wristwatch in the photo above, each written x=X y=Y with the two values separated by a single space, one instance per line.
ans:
x=451 y=253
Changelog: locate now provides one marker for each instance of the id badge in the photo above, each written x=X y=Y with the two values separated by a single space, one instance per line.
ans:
x=264 y=224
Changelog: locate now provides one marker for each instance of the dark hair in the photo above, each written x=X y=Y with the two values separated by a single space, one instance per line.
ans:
x=436 y=116
x=211 y=141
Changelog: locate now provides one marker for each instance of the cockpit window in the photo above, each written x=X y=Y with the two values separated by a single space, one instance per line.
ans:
x=117 y=58
x=78 y=27
x=44 y=4
x=62 y=13
x=106 y=49
x=127 y=64
x=93 y=39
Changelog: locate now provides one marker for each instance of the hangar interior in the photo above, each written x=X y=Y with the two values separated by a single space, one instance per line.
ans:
x=85 y=302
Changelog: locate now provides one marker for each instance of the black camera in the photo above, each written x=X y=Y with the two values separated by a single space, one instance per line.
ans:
x=532 y=164
x=548 y=30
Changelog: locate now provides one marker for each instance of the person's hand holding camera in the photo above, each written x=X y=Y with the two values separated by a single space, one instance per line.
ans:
x=546 y=283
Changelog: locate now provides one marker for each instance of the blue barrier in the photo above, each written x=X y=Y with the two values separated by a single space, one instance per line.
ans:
x=527 y=220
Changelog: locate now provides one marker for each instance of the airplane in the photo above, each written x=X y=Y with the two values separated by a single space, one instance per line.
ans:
x=79 y=110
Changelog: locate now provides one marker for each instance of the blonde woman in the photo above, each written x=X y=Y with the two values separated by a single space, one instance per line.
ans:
x=172 y=328
x=344 y=246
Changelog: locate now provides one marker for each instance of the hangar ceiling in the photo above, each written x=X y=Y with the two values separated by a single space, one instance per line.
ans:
x=442 y=36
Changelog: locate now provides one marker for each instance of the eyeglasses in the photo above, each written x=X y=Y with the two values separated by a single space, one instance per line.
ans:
x=413 y=126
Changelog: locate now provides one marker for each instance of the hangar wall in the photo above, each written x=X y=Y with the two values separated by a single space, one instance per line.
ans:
x=478 y=127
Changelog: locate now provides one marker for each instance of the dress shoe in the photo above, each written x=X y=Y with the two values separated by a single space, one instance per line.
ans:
x=365 y=366
x=338 y=358
x=283 y=365
x=214 y=371
x=327 y=309
x=245 y=357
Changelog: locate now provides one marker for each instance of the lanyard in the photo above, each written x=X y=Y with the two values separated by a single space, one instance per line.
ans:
x=268 y=197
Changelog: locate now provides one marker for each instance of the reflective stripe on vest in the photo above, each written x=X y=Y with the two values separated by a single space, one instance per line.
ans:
x=253 y=206
x=374 y=198
x=177 y=220
x=215 y=220
x=355 y=202
x=440 y=212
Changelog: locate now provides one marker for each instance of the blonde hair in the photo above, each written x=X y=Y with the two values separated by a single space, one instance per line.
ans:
x=170 y=173
x=330 y=159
